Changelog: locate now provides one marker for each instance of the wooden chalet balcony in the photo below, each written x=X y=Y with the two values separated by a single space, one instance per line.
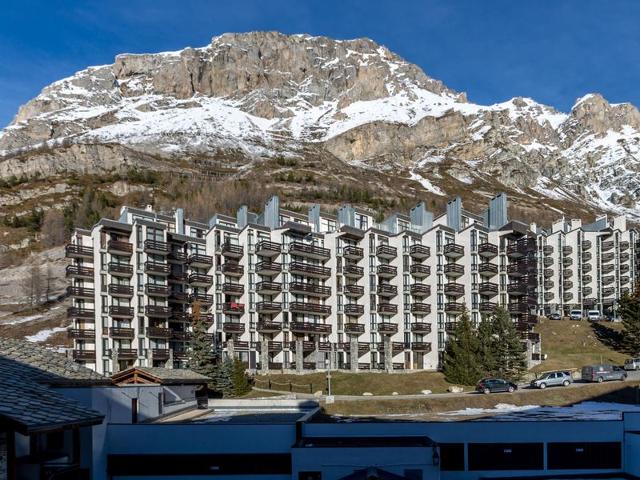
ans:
x=517 y=288
x=454 y=289
x=267 y=267
x=353 y=290
x=81 y=292
x=353 y=328
x=181 y=355
x=157 y=311
x=229 y=288
x=76 y=271
x=386 y=251
x=233 y=327
x=233 y=308
x=567 y=284
x=352 y=271
x=81 y=333
x=155 y=246
x=200 y=260
x=120 y=269
x=309 y=270
x=308 y=307
x=450 y=327
x=423 y=328
x=453 y=270
x=158 y=332
x=624 y=257
x=200 y=280
x=363 y=347
x=420 y=290
x=586 y=256
x=386 y=290
x=567 y=261
x=454 y=307
x=608 y=280
x=177 y=277
x=521 y=248
x=387 y=328
x=488 y=289
x=353 y=309
x=487 y=307
x=202 y=298
x=548 y=272
x=268 y=326
x=121 y=332
x=309 y=251
x=586 y=244
x=608 y=245
x=119 y=247
x=266 y=248
x=352 y=252
x=387 y=271
x=180 y=297
x=419 y=252
x=487 y=269
x=160 y=353
x=267 y=288
x=420 y=308
x=268 y=308
x=421 y=346
x=420 y=271
x=488 y=250
x=567 y=273
x=453 y=250
x=84 y=355
x=309 y=327
x=156 y=290
x=177 y=256
x=116 y=290
x=567 y=296
x=387 y=308
x=310 y=289
x=157 y=268
x=548 y=284
x=78 y=251
x=124 y=353
x=548 y=261
x=608 y=268
x=231 y=250
x=181 y=336
x=77 y=312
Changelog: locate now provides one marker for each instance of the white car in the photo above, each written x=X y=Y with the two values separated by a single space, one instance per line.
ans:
x=594 y=315
x=575 y=315
x=632 y=364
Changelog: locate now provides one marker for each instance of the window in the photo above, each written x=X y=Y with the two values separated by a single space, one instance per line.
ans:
x=506 y=456
x=452 y=457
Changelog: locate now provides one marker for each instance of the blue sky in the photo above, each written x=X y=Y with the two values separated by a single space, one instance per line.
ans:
x=550 y=50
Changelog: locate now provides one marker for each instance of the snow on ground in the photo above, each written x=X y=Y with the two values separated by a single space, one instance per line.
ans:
x=16 y=321
x=430 y=187
x=43 y=335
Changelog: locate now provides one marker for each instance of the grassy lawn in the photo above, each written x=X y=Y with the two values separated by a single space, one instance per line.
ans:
x=574 y=344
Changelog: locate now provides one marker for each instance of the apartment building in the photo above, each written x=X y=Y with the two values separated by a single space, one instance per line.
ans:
x=283 y=290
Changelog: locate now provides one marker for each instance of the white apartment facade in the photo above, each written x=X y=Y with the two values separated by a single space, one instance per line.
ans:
x=302 y=292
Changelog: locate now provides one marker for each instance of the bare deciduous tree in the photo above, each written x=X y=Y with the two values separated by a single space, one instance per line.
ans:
x=33 y=285
x=53 y=229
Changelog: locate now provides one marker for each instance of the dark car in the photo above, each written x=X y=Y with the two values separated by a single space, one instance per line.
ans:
x=555 y=316
x=492 y=385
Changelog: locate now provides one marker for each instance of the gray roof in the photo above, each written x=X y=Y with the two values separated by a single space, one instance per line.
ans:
x=166 y=375
x=27 y=403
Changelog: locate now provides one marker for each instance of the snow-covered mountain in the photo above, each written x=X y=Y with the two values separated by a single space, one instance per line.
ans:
x=262 y=95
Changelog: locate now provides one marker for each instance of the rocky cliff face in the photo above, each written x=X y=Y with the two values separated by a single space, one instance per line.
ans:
x=255 y=96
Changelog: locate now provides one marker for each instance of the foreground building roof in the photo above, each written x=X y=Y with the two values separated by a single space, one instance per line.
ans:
x=160 y=375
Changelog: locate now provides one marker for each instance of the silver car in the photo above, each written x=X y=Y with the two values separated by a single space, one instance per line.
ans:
x=551 y=379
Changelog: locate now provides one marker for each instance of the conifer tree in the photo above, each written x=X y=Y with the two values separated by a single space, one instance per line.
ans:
x=461 y=364
x=629 y=311
x=486 y=340
x=508 y=350
x=201 y=356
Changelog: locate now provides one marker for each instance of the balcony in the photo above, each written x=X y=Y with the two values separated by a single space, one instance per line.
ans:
x=567 y=296
x=265 y=248
x=308 y=307
x=453 y=250
x=454 y=307
x=233 y=327
x=419 y=252
x=420 y=308
x=420 y=290
x=547 y=272
x=624 y=245
x=624 y=257
x=309 y=327
x=160 y=353
x=363 y=348
x=268 y=326
x=517 y=307
x=76 y=271
x=118 y=332
x=268 y=268
x=352 y=271
x=586 y=291
x=200 y=261
x=124 y=353
x=181 y=297
x=454 y=289
x=177 y=256
x=387 y=328
x=567 y=250
x=548 y=296
x=154 y=290
x=606 y=246
x=271 y=347
x=309 y=270
x=154 y=246
x=353 y=328
x=517 y=288
x=387 y=271
x=233 y=308
x=157 y=311
x=84 y=355
x=81 y=334
x=608 y=291
x=77 y=312
x=263 y=288
x=488 y=250
x=231 y=250
x=116 y=290
x=487 y=307
x=386 y=290
x=310 y=289
x=118 y=247
x=268 y=308
x=81 y=292
x=589 y=301
x=521 y=268
x=386 y=251
x=202 y=299
x=177 y=277
x=157 y=332
x=548 y=261
x=421 y=328
x=587 y=256
x=567 y=261
x=354 y=291
x=238 y=289
x=200 y=280
x=353 y=309
x=608 y=280
x=453 y=270
x=120 y=269
x=352 y=252
x=421 y=346
x=567 y=273
x=420 y=271
x=180 y=336
x=450 y=327
x=309 y=251
x=78 y=251
x=586 y=244
x=488 y=288
x=117 y=311
x=548 y=284
x=487 y=269
x=608 y=268
x=607 y=257
x=387 y=308
x=548 y=249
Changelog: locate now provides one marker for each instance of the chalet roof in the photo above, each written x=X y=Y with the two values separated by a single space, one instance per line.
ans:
x=163 y=376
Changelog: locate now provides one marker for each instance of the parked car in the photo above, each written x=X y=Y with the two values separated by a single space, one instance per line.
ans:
x=551 y=379
x=594 y=315
x=601 y=373
x=492 y=385
x=555 y=316
x=575 y=315
x=632 y=364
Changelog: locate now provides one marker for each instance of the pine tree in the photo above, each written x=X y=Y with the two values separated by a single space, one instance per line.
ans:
x=508 y=350
x=461 y=363
x=629 y=311
x=241 y=381
x=486 y=355
x=201 y=356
